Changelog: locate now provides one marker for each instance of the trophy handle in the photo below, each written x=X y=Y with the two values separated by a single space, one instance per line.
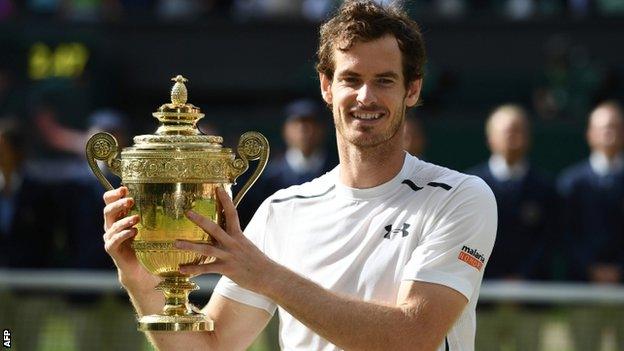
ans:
x=251 y=146
x=103 y=147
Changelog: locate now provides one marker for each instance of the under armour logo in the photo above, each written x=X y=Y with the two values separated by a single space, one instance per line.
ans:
x=390 y=233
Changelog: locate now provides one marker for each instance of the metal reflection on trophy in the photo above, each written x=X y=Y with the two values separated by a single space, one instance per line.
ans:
x=168 y=173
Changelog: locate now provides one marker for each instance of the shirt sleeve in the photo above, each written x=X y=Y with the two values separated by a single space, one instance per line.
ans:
x=226 y=287
x=455 y=250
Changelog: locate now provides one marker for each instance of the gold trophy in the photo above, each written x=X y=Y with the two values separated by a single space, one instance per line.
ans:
x=168 y=173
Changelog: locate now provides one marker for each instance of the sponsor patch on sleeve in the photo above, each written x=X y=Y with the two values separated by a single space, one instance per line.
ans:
x=472 y=257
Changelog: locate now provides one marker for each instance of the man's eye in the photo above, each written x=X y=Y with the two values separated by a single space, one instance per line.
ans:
x=385 y=81
x=350 y=80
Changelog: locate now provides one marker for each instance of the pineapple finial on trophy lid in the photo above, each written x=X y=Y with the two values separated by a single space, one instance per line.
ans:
x=179 y=94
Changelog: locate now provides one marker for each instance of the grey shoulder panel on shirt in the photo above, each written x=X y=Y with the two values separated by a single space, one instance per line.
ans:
x=298 y=196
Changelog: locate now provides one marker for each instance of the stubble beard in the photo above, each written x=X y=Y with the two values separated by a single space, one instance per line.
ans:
x=369 y=141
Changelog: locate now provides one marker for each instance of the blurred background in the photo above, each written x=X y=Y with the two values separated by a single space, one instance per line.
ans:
x=509 y=89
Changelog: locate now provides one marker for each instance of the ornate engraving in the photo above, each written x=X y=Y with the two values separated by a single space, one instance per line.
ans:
x=158 y=245
x=177 y=203
x=178 y=139
x=102 y=148
x=252 y=148
x=166 y=169
x=153 y=245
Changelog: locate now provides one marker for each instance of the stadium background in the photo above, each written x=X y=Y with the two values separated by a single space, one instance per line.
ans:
x=246 y=59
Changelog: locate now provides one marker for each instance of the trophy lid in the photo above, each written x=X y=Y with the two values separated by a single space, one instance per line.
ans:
x=178 y=128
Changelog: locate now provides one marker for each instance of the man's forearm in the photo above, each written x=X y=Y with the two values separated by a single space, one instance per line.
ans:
x=350 y=323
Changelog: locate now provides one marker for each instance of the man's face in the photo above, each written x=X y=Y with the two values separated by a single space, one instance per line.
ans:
x=606 y=131
x=367 y=93
x=509 y=136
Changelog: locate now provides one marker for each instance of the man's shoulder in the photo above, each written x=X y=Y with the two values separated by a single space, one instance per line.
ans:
x=449 y=188
x=439 y=176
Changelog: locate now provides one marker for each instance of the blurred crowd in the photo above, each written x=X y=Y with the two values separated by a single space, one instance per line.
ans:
x=312 y=10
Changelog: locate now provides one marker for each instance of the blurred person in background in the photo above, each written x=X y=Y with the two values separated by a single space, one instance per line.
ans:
x=27 y=217
x=305 y=158
x=526 y=225
x=28 y=221
x=593 y=221
x=414 y=139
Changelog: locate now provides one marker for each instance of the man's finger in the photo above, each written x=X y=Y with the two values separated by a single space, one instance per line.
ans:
x=115 y=194
x=117 y=239
x=215 y=267
x=231 y=215
x=204 y=249
x=123 y=224
x=116 y=209
x=211 y=228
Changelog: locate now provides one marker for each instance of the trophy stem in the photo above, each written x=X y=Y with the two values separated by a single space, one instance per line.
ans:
x=176 y=291
x=177 y=315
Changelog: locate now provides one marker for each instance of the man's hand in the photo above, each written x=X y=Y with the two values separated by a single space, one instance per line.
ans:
x=237 y=257
x=118 y=237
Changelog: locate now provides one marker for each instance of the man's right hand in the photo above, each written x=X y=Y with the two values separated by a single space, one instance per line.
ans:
x=118 y=237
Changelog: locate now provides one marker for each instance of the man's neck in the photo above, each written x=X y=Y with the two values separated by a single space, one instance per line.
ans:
x=369 y=167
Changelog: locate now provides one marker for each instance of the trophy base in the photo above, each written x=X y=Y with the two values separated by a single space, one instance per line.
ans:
x=159 y=322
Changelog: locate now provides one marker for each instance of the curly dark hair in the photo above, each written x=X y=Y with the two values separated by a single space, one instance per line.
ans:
x=363 y=21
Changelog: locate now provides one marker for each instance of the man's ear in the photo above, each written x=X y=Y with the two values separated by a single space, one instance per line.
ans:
x=413 y=92
x=326 y=88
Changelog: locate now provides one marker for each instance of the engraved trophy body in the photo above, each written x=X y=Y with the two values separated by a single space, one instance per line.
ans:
x=168 y=173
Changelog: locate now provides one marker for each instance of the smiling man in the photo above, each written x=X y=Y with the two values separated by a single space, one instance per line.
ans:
x=385 y=252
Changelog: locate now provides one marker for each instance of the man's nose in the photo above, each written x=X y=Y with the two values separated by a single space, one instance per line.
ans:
x=366 y=95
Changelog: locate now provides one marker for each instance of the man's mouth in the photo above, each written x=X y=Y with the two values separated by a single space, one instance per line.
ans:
x=367 y=116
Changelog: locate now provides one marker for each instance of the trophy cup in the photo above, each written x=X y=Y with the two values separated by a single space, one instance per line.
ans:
x=168 y=173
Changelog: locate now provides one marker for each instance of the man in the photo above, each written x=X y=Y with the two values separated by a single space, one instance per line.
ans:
x=305 y=158
x=526 y=211
x=593 y=217
x=27 y=215
x=526 y=200
x=384 y=252
x=27 y=225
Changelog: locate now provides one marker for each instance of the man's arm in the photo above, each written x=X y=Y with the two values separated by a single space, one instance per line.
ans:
x=422 y=316
x=236 y=324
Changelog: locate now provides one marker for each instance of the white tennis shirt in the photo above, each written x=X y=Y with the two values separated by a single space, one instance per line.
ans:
x=428 y=223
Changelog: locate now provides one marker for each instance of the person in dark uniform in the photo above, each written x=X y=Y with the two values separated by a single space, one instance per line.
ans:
x=27 y=217
x=27 y=231
x=305 y=157
x=593 y=218
x=526 y=225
